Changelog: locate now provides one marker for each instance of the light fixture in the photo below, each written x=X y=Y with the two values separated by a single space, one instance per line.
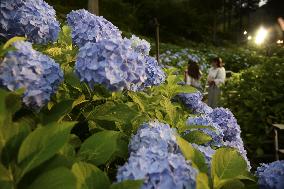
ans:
x=279 y=41
x=249 y=37
x=261 y=35
x=245 y=32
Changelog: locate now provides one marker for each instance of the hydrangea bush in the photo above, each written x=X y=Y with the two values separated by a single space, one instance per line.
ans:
x=30 y=69
x=271 y=176
x=154 y=157
x=87 y=27
x=35 y=20
x=112 y=63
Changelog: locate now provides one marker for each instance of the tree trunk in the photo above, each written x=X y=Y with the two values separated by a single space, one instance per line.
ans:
x=93 y=6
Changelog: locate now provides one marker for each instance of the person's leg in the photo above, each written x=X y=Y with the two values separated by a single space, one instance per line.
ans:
x=213 y=96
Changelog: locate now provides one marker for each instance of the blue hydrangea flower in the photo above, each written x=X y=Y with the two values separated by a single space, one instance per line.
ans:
x=194 y=58
x=34 y=19
x=232 y=132
x=226 y=120
x=155 y=74
x=271 y=176
x=154 y=159
x=111 y=63
x=193 y=102
x=214 y=131
x=87 y=27
x=30 y=69
x=140 y=45
x=207 y=151
x=154 y=134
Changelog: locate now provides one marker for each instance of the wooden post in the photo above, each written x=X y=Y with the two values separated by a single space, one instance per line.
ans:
x=157 y=40
x=93 y=6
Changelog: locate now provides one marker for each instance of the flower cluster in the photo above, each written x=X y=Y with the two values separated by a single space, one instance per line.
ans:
x=140 y=45
x=155 y=158
x=271 y=176
x=112 y=63
x=155 y=74
x=33 y=19
x=213 y=130
x=226 y=131
x=226 y=120
x=29 y=69
x=193 y=102
x=87 y=27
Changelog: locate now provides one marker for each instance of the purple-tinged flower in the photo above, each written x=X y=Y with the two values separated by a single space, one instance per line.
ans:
x=35 y=20
x=30 y=69
x=193 y=102
x=112 y=63
x=271 y=176
x=154 y=134
x=213 y=130
x=87 y=27
x=155 y=74
x=140 y=45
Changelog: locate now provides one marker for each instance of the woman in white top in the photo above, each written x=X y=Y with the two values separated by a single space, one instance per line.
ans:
x=192 y=75
x=216 y=77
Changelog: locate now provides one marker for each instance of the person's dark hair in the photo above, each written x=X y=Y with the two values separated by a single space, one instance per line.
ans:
x=193 y=70
x=219 y=61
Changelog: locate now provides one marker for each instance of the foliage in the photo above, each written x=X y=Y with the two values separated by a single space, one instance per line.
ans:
x=255 y=96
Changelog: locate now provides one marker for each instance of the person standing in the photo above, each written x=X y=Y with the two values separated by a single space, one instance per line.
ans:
x=216 y=77
x=192 y=75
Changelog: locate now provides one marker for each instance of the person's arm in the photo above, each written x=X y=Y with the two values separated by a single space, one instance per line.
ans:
x=221 y=76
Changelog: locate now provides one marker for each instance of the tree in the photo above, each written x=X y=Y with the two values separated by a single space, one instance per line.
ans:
x=93 y=6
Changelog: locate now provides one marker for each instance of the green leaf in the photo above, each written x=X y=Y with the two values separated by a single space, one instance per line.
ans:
x=169 y=109
x=202 y=181
x=234 y=184
x=3 y=112
x=13 y=136
x=197 y=137
x=128 y=184
x=190 y=153
x=57 y=112
x=6 y=178
x=184 y=89
x=89 y=176
x=100 y=147
x=13 y=40
x=227 y=164
x=42 y=144
x=114 y=112
x=79 y=100
x=58 y=178
x=137 y=99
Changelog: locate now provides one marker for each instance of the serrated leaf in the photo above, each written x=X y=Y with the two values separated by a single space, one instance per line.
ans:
x=190 y=153
x=233 y=184
x=128 y=184
x=89 y=176
x=202 y=181
x=114 y=112
x=79 y=100
x=197 y=137
x=137 y=99
x=226 y=165
x=57 y=178
x=42 y=144
x=100 y=147
x=57 y=112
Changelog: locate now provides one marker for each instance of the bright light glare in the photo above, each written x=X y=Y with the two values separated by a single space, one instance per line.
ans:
x=261 y=36
x=249 y=37
x=245 y=32
x=279 y=41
